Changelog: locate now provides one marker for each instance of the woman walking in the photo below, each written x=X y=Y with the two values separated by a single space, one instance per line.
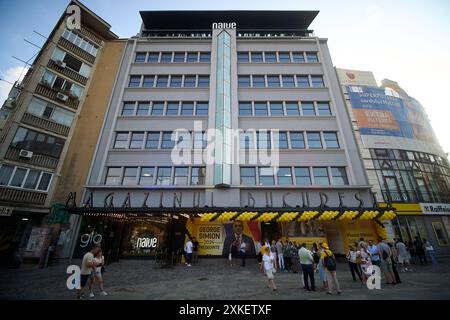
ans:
x=352 y=256
x=365 y=263
x=269 y=266
x=97 y=276
x=329 y=262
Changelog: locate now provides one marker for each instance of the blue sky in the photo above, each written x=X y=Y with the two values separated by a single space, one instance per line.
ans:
x=406 y=41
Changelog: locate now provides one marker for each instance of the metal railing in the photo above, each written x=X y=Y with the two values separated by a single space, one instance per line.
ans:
x=45 y=124
x=22 y=196
x=52 y=93
x=76 y=50
x=36 y=159
x=67 y=72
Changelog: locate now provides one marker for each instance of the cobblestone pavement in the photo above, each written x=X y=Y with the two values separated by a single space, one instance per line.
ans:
x=214 y=279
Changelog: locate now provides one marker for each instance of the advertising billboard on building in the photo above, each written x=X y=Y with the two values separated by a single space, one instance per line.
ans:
x=355 y=77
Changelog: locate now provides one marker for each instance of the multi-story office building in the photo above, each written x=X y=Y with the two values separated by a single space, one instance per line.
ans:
x=404 y=161
x=257 y=92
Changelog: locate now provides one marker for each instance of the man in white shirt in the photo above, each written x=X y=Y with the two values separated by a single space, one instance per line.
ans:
x=188 y=249
x=403 y=255
x=87 y=267
x=306 y=260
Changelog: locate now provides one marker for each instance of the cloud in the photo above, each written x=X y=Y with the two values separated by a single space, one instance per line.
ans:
x=11 y=75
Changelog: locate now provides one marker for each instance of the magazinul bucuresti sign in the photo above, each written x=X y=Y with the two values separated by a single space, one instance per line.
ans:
x=435 y=208
x=224 y=25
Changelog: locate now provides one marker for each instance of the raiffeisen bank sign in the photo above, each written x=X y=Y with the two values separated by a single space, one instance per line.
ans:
x=224 y=25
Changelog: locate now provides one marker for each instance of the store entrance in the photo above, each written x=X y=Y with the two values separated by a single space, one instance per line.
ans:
x=270 y=231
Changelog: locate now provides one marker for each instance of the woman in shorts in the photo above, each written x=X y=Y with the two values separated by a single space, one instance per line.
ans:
x=96 y=276
x=269 y=268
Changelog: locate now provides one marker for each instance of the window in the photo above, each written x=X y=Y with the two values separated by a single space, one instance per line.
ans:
x=187 y=108
x=331 y=140
x=323 y=108
x=198 y=176
x=80 y=42
x=189 y=81
x=45 y=181
x=176 y=81
x=121 y=141
x=261 y=109
x=162 y=81
x=140 y=57
x=308 y=109
x=264 y=140
x=284 y=57
x=172 y=108
x=152 y=140
x=276 y=108
x=49 y=111
x=37 y=142
x=257 y=57
x=203 y=81
x=5 y=174
x=157 y=109
x=167 y=142
x=302 y=176
x=200 y=140
x=128 y=108
x=273 y=81
x=142 y=109
x=245 y=108
x=243 y=57
x=298 y=57
x=339 y=176
x=282 y=140
x=147 y=176
x=266 y=176
x=201 y=109
x=179 y=57
x=32 y=179
x=246 y=140
x=205 y=57
x=317 y=81
x=129 y=175
x=244 y=81
x=259 y=81
x=137 y=139
x=166 y=57
x=270 y=57
x=113 y=176
x=153 y=57
x=18 y=177
x=164 y=176
x=288 y=81
x=192 y=57
x=321 y=176
x=297 y=140
x=248 y=176
x=314 y=141
x=303 y=81
x=311 y=57
x=292 y=109
x=181 y=176
x=135 y=82
x=284 y=176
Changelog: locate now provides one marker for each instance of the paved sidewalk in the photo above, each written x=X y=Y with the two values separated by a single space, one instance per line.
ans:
x=215 y=279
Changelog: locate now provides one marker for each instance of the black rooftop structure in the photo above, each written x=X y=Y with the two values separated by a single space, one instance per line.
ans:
x=245 y=20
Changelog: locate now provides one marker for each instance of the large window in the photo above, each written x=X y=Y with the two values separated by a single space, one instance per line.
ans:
x=308 y=109
x=284 y=176
x=302 y=176
x=60 y=84
x=321 y=176
x=148 y=82
x=203 y=81
x=187 y=108
x=181 y=177
x=314 y=141
x=263 y=139
x=157 y=108
x=297 y=140
x=261 y=109
x=276 y=109
x=164 y=176
x=135 y=82
x=80 y=42
x=323 y=108
x=137 y=140
x=43 y=109
x=244 y=81
x=259 y=81
x=303 y=82
x=273 y=81
x=128 y=108
x=317 y=81
x=257 y=56
x=121 y=141
x=129 y=175
x=37 y=142
x=71 y=62
x=243 y=57
x=266 y=176
x=24 y=178
x=331 y=140
x=113 y=176
x=201 y=109
x=143 y=108
x=245 y=108
x=248 y=176
x=147 y=176
x=283 y=140
x=339 y=175
x=288 y=81
x=292 y=109
x=162 y=81
x=152 y=140
x=198 y=176
x=167 y=142
x=172 y=108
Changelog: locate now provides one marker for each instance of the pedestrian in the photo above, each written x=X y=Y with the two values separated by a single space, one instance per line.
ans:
x=329 y=263
x=243 y=252
x=420 y=252
x=320 y=268
x=352 y=255
x=279 y=248
x=402 y=255
x=429 y=250
x=366 y=263
x=273 y=250
x=315 y=253
x=269 y=268
x=195 y=246
x=87 y=267
x=188 y=249
x=394 y=262
x=306 y=261
x=361 y=243
x=97 y=276
x=386 y=262
x=259 y=252
x=372 y=249
x=287 y=255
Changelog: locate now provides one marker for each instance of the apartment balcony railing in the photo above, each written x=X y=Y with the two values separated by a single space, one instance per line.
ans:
x=90 y=35
x=45 y=124
x=52 y=94
x=67 y=72
x=22 y=196
x=36 y=159
x=76 y=50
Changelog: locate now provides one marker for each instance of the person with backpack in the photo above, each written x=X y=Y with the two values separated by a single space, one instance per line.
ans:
x=385 y=254
x=329 y=263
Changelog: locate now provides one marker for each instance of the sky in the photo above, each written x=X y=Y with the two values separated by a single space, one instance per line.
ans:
x=407 y=41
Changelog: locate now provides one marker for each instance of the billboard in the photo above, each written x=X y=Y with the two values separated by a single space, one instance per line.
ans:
x=356 y=77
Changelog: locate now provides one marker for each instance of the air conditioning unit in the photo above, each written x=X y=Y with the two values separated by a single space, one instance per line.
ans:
x=62 y=96
x=60 y=63
x=25 y=154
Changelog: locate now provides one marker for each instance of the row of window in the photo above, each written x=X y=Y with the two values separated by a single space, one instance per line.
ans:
x=301 y=176
x=172 y=81
x=163 y=176
x=24 y=178
x=158 y=140
x=80 y=42
x=61 y=84
x=284 y=108
x=49 y=111
x=281 y=57
x=408 y=155
x=172 y=57
x=168 y=108
x=281 y=81
x=37 y=142
x=71 y=62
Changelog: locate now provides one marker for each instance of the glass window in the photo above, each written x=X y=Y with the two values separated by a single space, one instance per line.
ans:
x=137 y=139
x=140 y=57
x=203 y=81
x=192 y=57
x=317 y=81
x=248 y=176
x=323 y=108
x=5 y=174
x=157 y=109
x=311 y=57
x=244 y=81
x=273 y=81
x=261 y=109
x=135 y=82
x=129 y=175
x=308 y=109
x=73 y=63
x=48 y=78
x=292 y=109
x=282 y=140
x=276 y=109
x=147 y=176
x=201 y=109
x=243 y=57
x=331 y=140
x=200 y=140
x=176 y=81
x=18 y=177
x=181 y=176
x=167 y=142
x=113 y=176
x=321 y=176
x=263 y=139
x=121 y=141
x=205 y=57
x=153 y=57
x=284 y=176
x=166 y=57
x=76 y=90
x=187 y=108
x=302 y=176
x=246 y=140
x=164 y=176
x=62 y=116
x=258 y=81
x=297 y=140
x=172 y=108
x=270 y=57
x=257 y=56
x=162 y=81
x=45 y=181
x=85 y=70
x=303 y=81
x=245 y=108
x=198 y=176
x=128 y=108
x=179 y=57
x=339 y=176
x=189 y=81
x=314 y=141
x=288 y=81
x=36 y=106
x=152 y=141
x=266 y=176
x=298 y=57
x=284 y=57
x=143 y=108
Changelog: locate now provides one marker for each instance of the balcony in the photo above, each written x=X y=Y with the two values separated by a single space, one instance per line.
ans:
x=45 y=124
x=51 y=94
x=90 y=35
x=67 y=72
x=22 y=196
x=36 y=159
x=78 y=51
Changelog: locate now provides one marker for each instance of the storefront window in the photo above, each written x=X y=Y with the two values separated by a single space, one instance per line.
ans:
x=439 y=231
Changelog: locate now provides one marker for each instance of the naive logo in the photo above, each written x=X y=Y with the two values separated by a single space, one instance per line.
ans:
x=73 y=281
x=224 y=25
x=350 y=75
x=74 y=17
x=146 y=242
x=374 y=280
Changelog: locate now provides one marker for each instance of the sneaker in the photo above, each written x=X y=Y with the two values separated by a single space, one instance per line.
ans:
x=91 y=295
x=103 y=293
